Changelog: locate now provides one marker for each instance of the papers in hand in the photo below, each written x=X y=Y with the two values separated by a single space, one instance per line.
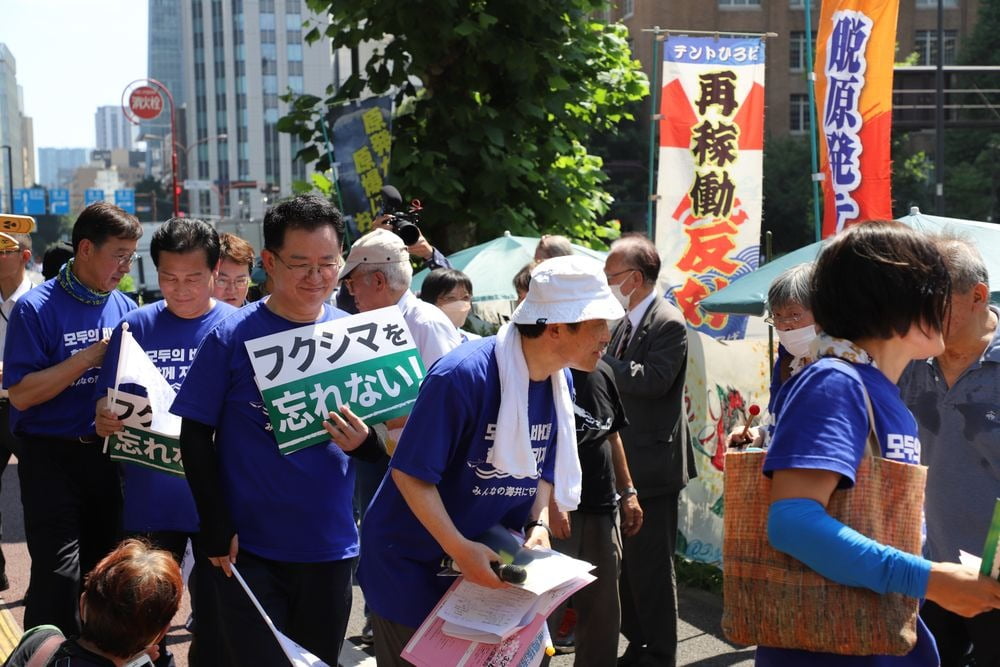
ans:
x=474 y=626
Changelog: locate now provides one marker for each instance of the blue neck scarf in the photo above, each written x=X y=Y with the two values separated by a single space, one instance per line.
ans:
x=69 y=282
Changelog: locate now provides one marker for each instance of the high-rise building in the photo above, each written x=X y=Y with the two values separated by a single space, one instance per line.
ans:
x=239 y=56
x=164 y=60
x=10 y=129
x=113 y=129
x=27 y=142
x=56 y=165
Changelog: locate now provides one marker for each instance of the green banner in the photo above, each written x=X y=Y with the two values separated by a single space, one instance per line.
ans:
x=376 y=390
x=148 y=449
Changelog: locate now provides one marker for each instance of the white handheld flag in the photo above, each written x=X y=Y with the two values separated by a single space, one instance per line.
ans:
x=135 y=367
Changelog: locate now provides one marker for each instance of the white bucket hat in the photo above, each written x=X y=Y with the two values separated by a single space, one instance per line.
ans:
x=376 y=247
x=567 y=290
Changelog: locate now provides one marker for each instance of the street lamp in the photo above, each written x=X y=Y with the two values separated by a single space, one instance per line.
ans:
x=176 y=145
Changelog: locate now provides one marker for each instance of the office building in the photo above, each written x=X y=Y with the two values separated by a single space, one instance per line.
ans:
x=10 y=129
x=164 y=60
x=239 y=56
x=56 y=165
x=113 y=129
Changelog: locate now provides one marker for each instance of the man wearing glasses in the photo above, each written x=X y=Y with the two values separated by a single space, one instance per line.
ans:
x=57 y=335
x=286 y=520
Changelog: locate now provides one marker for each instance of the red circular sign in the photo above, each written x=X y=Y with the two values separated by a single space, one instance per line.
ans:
x=145 y=102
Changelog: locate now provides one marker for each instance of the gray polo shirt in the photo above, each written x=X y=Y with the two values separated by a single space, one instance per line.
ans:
x=960 y=441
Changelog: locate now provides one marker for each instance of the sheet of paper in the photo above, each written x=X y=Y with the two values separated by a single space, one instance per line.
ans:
x=551 y=569
x=496 y=611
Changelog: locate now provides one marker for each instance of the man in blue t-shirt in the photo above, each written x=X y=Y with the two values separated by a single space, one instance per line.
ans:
x=287 y=520
x=491 y=433
x=56 y=339
x=158 y=505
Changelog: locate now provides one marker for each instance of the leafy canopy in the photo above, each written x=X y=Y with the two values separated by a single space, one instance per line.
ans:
x=496 y=102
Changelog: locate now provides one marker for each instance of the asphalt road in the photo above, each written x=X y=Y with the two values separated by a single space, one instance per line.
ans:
x=700 y=639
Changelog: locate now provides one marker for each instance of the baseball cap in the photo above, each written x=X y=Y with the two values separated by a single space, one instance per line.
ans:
x=566 y=290
x=379 y=246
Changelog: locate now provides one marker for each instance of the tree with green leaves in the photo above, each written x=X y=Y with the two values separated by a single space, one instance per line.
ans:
x=496 y=103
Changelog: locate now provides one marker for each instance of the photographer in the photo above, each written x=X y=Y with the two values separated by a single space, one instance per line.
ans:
x=404 y=223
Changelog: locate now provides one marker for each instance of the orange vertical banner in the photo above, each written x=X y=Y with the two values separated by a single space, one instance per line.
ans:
x=855 y=51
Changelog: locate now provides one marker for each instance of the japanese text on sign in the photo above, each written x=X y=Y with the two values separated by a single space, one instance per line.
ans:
x=845 y=70
x=137 y=443
x=368 y=362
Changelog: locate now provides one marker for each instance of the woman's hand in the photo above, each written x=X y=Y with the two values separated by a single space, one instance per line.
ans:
x=961 y=590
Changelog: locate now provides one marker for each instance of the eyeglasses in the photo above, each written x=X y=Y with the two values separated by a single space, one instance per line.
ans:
x=238 y=283
x=328 y=270
x=781 y=321
x=609 y=276
x=125 y=259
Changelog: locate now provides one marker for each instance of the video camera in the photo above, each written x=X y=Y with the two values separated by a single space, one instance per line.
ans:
x=405 y=223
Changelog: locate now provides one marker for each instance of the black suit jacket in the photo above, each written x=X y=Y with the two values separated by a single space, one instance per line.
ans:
x=650 y=379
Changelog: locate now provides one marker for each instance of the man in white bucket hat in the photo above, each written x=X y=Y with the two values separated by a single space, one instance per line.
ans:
x=491 y=436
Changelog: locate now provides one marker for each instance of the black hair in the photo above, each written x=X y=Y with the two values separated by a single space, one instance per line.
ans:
x=877 y=279
x=101 y=221
x=536 y=330
x=522 y=279
x=55 y=256
x=640 y=254
x=306 y=212
x=441 y=281
x=183 y=235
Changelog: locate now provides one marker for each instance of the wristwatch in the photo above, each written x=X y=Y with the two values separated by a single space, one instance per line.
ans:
x=531 y=524
x=627 y=491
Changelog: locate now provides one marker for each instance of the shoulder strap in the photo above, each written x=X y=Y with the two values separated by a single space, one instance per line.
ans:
x=873 y=448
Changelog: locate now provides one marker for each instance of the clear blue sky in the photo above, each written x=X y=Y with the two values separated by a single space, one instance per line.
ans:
x=72 y=57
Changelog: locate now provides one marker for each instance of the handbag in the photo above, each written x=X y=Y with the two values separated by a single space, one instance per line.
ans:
x=772 y=599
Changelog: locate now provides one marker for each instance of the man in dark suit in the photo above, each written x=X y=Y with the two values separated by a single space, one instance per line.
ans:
x=648 y=353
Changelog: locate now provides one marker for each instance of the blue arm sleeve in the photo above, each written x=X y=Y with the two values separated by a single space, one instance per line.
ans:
x=802 y=529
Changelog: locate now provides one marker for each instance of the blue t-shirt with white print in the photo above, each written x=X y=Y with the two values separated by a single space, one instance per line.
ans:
x=48 y=326
x=291 y=508
x=822 y=424
x=446 y=442
x=157 y=500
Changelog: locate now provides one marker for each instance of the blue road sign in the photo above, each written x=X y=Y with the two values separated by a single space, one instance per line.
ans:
x=125 y=200
x=59 y=201
x=29 y=201
x=91 y=195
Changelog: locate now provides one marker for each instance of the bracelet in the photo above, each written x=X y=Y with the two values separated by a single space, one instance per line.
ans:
x=627 y=492
x=531 y=524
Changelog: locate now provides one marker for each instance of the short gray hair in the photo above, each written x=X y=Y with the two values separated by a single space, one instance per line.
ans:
x=794 y=286
x=965 y=264
x=553 y=245
x=398 y=275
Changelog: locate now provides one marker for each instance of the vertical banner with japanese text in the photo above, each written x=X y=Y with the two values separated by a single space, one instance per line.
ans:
x=361 y=146
x=709 y=180
x=855 y=51
x=367 y=362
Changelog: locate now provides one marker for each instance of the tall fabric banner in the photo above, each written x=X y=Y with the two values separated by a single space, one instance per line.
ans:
x=361 y=143
x=709 y=181
x=855 y=51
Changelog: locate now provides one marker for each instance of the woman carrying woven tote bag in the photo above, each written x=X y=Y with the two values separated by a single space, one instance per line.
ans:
x=879 y=294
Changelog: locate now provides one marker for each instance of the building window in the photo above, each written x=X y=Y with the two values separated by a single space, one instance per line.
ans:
x=800 y=4
x=927 y=43
x=797 y=50
x=932 y=4
x=738 y=4
x=628 y=8
x=798 y=112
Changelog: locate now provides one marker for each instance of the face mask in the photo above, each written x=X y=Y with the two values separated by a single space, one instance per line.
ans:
x=623 y=298
x=457 y=311
x=797 y=341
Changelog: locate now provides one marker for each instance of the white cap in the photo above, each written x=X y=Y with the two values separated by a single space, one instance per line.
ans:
x=567 y=290
x=376 y=247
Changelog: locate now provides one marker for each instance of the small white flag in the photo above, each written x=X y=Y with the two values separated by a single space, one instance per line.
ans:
x=136 y=368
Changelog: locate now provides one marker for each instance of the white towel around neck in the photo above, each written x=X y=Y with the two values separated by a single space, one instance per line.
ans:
x=511 y=452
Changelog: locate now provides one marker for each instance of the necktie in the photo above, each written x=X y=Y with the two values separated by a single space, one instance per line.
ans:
x=623 y=341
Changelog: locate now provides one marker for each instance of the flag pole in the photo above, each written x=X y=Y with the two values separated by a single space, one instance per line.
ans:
x=118 y=375
x=813 y=130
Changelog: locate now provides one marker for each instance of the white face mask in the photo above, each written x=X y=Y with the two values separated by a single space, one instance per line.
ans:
x=797 y=341
x=457 y=311
x=623 y=298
